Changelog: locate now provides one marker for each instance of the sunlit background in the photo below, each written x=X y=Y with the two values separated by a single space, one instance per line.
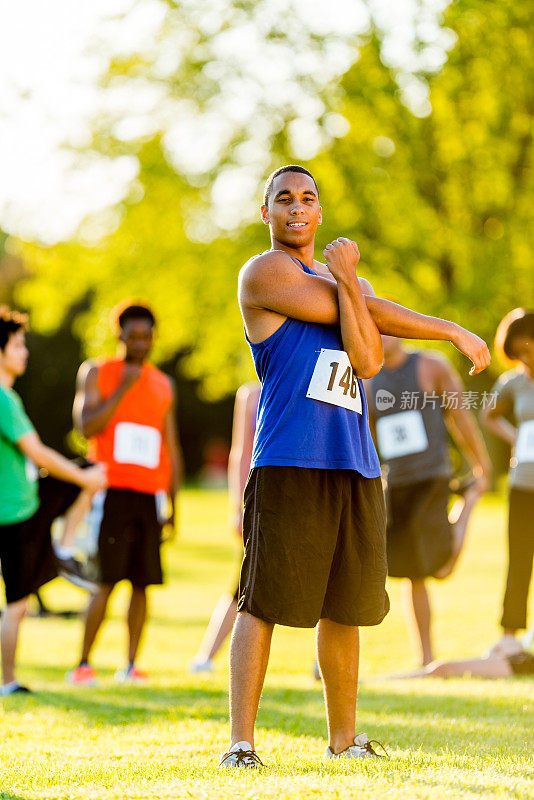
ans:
x=135 y=138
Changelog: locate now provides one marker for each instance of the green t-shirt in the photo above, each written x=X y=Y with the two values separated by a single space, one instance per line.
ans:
x=19 y=498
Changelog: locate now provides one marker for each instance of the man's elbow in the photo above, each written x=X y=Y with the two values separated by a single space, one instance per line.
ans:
x=369 y=372
x=368 y=368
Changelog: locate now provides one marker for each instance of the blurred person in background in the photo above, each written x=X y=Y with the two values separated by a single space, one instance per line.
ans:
x=243 y=428
x=491 y=665
x=125 y=406
x=413 y=401
x=28 y=504
x=514 y=393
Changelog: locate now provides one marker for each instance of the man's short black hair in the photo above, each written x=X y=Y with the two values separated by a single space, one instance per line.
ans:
x=10 y=322
x=129 y=310
x=280 y=171
x=517 y=323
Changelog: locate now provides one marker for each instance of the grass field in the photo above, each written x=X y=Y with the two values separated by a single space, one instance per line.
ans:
x=448 y=739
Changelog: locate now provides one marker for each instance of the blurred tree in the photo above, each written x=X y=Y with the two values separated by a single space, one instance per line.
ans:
x=436 y=196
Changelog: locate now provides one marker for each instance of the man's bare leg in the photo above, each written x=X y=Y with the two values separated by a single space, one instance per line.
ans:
x=73 y=517
x=136 y=620
x=338 y=652
x=249 y=656
x=219 y=627
x=96 y=611
x=458 y=518
x=9 y=634
x=418 y=617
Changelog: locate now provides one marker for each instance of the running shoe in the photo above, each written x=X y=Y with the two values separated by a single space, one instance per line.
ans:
x=362 y=748
x=131 y=675
x=201 y=664
x=74 y=572
x=507 y=645
x=82 y=675
x=14 y=688
x=241 y=755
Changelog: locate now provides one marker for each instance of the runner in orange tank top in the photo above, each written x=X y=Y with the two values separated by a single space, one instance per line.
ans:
x=126 y=408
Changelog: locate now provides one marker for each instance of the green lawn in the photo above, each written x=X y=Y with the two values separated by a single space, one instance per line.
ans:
x=448 y=739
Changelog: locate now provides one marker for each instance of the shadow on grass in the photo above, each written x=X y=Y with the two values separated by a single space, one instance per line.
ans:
x=433 y=722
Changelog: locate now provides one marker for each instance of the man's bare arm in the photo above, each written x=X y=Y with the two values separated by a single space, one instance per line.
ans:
x=273 y=282
x=463 y=427
x=90 y=412
x=172 y=444
x=92 y=478
x=361 y=337
x=493 y=418
x=241 y=450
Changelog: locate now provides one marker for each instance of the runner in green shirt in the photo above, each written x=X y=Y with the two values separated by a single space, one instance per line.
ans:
x=27 y=505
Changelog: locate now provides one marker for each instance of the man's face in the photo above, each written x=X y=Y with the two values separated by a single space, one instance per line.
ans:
x=14 y=356
x=138 y=337
x=523 y=348
x=293 y=212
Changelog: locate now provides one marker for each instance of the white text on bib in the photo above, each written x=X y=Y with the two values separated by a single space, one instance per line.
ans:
x=334 y=381
x=524 y=447
x=401 y=434
x=137 y=444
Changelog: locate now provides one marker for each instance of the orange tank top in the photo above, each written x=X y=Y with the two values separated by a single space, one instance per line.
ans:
x=132 y=445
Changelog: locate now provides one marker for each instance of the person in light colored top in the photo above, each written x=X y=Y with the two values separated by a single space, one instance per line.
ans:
x=514 y=398
x=243 y=428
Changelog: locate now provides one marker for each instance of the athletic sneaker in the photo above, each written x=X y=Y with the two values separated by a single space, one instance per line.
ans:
x=13 y=688
x=241 y=755
x=82 y=675
x=74 y=572
x=201 y=664
x=507 y=645
x=131 y=675
x=362 y=748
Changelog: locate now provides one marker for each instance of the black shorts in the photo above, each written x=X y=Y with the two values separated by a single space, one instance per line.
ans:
x=419 y=535
x=26 y=553
x=315 y=546
x=129 y=536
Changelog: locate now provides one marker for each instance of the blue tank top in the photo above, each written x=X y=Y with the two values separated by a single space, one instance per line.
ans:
x=294 y=429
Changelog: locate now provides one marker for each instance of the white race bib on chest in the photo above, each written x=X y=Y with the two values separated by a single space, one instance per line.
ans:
x=401 y=434
x=334 y=381
x=524 y=446
x=137 y=444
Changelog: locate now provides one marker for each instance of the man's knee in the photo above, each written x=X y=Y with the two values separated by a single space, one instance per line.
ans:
x=16 y=611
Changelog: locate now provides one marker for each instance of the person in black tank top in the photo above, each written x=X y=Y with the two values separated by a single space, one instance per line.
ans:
x=413 y=400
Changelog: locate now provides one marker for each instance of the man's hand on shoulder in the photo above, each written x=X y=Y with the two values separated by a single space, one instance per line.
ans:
x=342 y=257
x=131 y=374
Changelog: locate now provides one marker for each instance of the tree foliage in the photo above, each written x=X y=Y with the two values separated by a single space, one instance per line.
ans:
x=440 y=204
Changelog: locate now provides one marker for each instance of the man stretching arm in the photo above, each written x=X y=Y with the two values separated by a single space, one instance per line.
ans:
x=314 y=518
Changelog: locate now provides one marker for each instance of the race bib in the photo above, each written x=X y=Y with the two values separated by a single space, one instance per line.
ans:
x=334 y=381
x=401 y=434
x=32 y=473
x=137 y=444
x=524 y=447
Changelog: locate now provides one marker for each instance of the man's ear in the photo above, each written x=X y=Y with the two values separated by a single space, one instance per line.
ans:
x=265 y=215
x=320 y=215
